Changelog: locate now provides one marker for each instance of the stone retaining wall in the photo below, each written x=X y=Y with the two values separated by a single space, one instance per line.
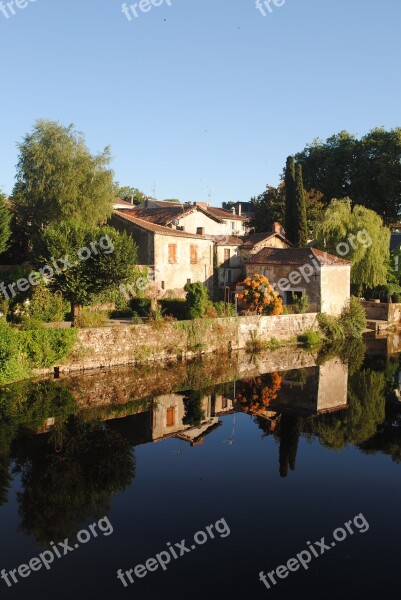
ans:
x=130 y=344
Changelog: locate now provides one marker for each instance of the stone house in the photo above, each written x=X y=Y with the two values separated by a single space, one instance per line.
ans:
x=324 y=278
x=175 y=257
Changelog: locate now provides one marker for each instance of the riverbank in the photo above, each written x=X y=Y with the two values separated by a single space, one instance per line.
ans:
x=165 y=341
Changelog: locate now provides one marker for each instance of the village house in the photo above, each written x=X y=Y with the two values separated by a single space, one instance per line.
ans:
x=325 y=279
x=175 y=257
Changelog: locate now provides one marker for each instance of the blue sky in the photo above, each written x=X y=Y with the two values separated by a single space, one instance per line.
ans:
x=204 y=94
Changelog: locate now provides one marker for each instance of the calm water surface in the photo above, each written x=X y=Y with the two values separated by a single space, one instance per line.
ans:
x=278 y=456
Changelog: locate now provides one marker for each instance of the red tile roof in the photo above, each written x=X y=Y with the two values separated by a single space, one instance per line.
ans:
x=227 y=240
x=156 y=228
x=255 y=238
x=294 y=256
x=166 y=215
x=222 y=213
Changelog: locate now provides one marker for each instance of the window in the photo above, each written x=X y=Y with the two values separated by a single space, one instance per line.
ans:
x=172 y=253
x=232 y=225
x=163 y=285
x=227 y=254
x=194 y=255
x=200 y=231
x=188 y=281
x=171 y=416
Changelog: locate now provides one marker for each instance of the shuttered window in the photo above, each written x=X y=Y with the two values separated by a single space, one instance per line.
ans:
x=172 y=253
x=171 y=416
x=194 y=255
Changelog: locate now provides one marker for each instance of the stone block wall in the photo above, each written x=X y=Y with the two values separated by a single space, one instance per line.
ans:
x=136 y=344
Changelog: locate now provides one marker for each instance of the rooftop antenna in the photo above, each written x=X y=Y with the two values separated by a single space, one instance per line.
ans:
x=154 y=189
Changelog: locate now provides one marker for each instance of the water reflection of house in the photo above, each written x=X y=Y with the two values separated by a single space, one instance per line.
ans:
x=314 y=390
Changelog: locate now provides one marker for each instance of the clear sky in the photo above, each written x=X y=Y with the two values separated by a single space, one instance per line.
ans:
x=202 y=95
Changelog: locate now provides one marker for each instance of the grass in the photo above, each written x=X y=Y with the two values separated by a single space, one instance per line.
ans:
x=310 y=339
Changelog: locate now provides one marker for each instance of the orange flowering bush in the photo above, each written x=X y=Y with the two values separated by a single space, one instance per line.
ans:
x=256 y=394
x=259 y=297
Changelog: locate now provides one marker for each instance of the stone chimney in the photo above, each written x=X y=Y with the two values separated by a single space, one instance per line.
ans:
x=276 y=227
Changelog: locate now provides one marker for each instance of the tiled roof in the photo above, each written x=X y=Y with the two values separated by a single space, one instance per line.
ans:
x=155 y=228
x=222 y=213
x=294 y=256
x=122 y=203
x=227 y=240
x=165 y=215
x=255 y=238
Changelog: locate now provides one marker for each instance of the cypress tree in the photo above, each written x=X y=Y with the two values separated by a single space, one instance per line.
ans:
x=290 y=200
x=301 y=224
x=5 y=218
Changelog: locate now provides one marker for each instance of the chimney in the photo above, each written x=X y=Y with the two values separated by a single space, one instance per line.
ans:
x=276 y=227
x=132 y=200
x=233 y=210
x=239 y=209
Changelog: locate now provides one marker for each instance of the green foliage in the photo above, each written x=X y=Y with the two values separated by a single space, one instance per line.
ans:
x=353 y=319
x=175 y=307
x=5 y=220
x=140 y=306
x=23 y=350
x=58 y=179
x=128 y=193
x=367 y=170
x=111 y=265
x=363 y=229
x=194 y=414
x=300 y=304
x=91 y=318
x=310 y=339
x=290 y=200
x=269 y=208
x=46 y=306
x=224 y=309
x=350 y=324
x=197 y=300
x=330 y=327
x=300 y=217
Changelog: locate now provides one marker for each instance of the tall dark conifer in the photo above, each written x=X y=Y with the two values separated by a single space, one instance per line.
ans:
x=301 y=224
x=5 y=218
x=290 y=200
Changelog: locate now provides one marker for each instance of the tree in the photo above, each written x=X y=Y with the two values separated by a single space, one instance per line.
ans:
x=128 y=192
x=5 y=220
x=301 y=225
x=358 y=235
x=269 y=208
x=259 y=297
x=367 y=170
x=106 y=259
x=290 y=200
x=59 y=179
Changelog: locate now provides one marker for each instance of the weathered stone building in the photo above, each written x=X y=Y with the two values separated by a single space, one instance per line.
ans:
x=324 y=278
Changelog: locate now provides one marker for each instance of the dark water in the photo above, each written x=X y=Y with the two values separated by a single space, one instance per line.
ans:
x=272 y=458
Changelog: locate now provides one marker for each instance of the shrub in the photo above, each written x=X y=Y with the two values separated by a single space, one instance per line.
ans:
x=140 y=306
x=176 y=307
x=353 y=319
x=225 y=309
x=310 y=338
x=197 y=300
x=46 y=347
x=300 y=304
x=259 y=297
x=91 y=318
x=330 y=327
x=12 y=364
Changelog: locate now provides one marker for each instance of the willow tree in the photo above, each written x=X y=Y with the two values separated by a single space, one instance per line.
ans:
x=59 y=179
x=358 y=235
